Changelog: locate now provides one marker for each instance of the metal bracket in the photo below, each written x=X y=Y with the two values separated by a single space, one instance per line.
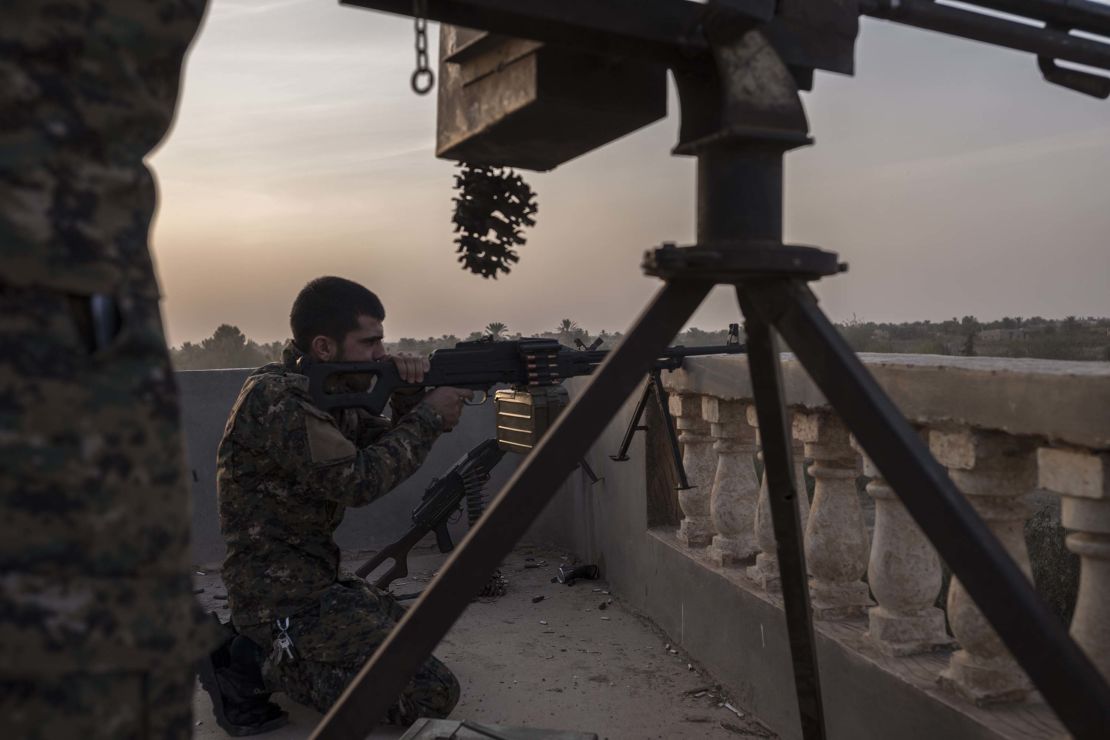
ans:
x=738 y=260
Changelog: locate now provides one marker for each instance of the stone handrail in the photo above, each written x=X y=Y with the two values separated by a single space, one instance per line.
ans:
x=1004 y=429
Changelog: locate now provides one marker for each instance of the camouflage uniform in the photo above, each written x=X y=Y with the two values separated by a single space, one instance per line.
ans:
x=286 y=471
x=98 y=625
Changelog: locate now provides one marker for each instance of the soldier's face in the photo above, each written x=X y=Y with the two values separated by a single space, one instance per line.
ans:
x=363 y=344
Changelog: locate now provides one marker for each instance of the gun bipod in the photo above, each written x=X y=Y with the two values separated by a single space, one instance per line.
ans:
x=654 y=389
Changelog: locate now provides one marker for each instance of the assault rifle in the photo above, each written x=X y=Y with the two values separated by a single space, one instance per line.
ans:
x=481 y=364
x=443 y=497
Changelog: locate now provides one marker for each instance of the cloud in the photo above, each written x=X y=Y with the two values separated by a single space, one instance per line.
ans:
x=1010 y=153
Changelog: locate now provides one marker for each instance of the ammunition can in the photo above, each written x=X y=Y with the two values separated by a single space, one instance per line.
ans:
x=524 y=416
x=518 y=103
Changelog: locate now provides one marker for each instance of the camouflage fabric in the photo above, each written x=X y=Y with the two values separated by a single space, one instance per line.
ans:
x=115 y=706
x=88 y=89
x=96 y=605
x=94 y=555
x=333 y=640
x=285 y=473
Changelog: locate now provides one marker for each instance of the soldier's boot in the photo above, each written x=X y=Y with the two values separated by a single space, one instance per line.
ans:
x=402 y=714
x=232 y=676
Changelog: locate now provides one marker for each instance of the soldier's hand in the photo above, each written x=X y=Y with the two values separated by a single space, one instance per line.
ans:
x=448 y=403
x=410 y=367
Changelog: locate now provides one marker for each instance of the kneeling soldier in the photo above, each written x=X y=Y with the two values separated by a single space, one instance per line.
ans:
x=287 y=471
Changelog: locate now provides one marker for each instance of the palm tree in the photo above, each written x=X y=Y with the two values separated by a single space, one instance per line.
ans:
x=495 y=329
x=566 y=326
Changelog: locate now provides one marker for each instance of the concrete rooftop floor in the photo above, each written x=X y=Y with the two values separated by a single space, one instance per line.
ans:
x=560 y=663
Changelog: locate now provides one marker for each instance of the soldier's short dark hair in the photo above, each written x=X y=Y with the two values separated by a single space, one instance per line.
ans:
x=331 y=306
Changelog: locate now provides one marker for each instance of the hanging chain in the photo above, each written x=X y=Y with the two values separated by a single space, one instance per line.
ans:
x=423 y=79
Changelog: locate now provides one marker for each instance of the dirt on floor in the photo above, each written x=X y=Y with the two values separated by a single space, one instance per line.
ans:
x=547 y=655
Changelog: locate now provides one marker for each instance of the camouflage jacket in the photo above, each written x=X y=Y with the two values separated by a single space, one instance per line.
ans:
x=285 y=473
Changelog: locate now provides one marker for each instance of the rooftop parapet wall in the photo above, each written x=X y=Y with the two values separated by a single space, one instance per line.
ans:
x=1062 y=402
x=1007 y=431
x=896 y=658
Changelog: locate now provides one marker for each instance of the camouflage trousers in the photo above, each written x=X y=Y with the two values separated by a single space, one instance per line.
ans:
x=334 y=639
x=121 y=706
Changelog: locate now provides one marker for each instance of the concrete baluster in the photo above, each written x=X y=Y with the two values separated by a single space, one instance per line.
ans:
x=904 y=574
x=836 y=541
x=700 y=461
x=995 y=471
x=735 y=485
x=765 y=572
x=1083 y=479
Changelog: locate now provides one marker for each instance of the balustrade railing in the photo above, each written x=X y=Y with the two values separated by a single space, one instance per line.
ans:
x=735 y=492
x=998 y=447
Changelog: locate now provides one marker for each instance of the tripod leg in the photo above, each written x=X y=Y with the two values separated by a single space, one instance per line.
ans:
x=763 y=363
x=509 y=515
x=633 y=425
x=1039 y=641
x=588 y=471
x=668 y=424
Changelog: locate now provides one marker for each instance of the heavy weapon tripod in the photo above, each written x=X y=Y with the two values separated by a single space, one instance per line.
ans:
x=739 y=65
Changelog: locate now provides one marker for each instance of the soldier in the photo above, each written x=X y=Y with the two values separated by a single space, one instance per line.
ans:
x=286 y=471
x=98 y=624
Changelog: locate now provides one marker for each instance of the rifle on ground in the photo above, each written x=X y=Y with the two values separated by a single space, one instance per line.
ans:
x=481 y=364
x=443 y=497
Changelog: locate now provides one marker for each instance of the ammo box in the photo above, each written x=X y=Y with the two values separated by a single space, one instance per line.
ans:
x=519 y=103
x=524 y=416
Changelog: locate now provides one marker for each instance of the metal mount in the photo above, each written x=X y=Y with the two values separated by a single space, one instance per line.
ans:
x=737 y=262
x=738 y=66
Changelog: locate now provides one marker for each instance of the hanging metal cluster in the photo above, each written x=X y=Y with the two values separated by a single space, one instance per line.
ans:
x=492 y=207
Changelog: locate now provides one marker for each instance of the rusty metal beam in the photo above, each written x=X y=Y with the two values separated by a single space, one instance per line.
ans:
x=665 y=31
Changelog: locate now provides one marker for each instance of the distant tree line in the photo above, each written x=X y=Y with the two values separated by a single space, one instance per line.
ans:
x=1072 y=338
x=227 y=347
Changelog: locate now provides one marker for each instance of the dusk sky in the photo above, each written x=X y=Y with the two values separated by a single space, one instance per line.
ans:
x=947 y=173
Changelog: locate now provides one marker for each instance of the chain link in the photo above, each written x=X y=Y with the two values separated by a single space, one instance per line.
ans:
x=423 y=79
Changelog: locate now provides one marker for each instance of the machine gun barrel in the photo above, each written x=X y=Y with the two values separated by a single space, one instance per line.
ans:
x=671 y=359
x=1052 y=41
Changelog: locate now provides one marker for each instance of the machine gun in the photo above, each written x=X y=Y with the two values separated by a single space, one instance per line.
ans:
x=479 y=365
x=442 y=499
x=533 y=367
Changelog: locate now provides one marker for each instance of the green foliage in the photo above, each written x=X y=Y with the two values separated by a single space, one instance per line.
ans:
x=227 y=347
x=968 y=350
x=496 y=329
x=1073 y=338
x=492 y=208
